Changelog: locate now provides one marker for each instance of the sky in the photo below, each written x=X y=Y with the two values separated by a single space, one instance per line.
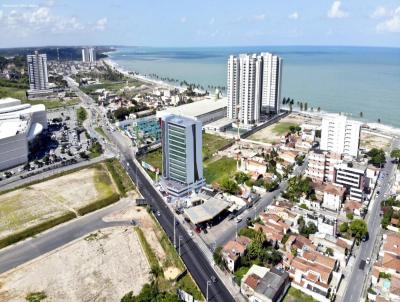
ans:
x=187 y=23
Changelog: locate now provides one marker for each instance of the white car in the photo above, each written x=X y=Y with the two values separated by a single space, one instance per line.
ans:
x=368 y=260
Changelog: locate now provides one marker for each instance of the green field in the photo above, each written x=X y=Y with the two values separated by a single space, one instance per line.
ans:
x=216 y=170
x=295 y=295
x=111 y=86
x=100 y=131
x=282 y=128
x=211 y=144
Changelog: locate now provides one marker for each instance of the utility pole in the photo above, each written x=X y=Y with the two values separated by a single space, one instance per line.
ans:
x=174 y=233
x=208 y=283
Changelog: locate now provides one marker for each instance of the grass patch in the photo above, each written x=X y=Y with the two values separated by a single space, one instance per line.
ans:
x=34 y=230
x=81 y=115
x=36 y=296
x=98 y=204
x=216 y=170
x=188 y=285
x=153 y=158
x=296 y=295
x=109 y=85
x=282 y=128
x=120 y=177
x=151 y=256
x=13 y=92
x=100 y=131
x=212 y=143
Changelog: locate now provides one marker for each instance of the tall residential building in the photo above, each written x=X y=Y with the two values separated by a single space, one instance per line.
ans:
x=353 y=177
x=321 y=165
x=182 y=164
x=253 y=86
x=37 y=70
x=340 y=135
x=88 y=55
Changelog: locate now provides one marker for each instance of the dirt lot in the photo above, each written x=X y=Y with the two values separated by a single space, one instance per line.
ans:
x=40 y=202
x=102 y=266
x=273 y=133
x=369 y=141
x=151 y=233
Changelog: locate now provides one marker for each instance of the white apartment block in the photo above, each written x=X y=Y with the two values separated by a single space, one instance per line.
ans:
x=340 y=135
x=351 y=176
x=321 y=165
x=37 y=70
x=253 y=86
x=182 y=164
x=88 y=55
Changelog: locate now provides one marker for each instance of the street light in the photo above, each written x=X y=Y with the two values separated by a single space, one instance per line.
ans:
x=174 y=233
x=208 y=283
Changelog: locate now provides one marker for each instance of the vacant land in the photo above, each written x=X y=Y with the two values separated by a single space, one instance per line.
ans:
x=20 y=94
x=214 y=171
x=160 y=253
x=273 y=133
x=71 y=193
x=211 y=144
x=102 y=266
x=295 y=295
x=111 y=86
x=369 y=140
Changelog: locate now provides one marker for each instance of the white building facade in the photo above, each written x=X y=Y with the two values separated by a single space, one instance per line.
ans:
x=182 y=165
x=253 y=86
x=340 y=135
x=88 y=55
x=37 y=71
x=19 y=124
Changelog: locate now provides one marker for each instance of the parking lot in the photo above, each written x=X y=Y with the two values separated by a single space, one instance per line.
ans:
x=61 y=144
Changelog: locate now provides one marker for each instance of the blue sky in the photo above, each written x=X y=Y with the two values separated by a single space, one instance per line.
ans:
x=199 y=23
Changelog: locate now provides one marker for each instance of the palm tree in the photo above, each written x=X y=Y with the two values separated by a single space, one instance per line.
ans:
x=319 y=109
x=379 y=120
x=361 y=114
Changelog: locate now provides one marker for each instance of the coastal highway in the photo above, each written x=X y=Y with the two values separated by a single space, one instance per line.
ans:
x=356 y=279
x=191 y=254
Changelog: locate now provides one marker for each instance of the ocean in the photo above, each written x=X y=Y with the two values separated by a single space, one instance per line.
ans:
x=336 y=79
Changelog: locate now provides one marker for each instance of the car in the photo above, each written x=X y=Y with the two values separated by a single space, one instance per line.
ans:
x=368 y=260
x=248 y=219
x=231 y=216
x=213 y=279
x=239 y=219
x=197 y=230
x=158 y=213
x=365 y=237
x=205 y=231
x=191 y=234
x=361 y=266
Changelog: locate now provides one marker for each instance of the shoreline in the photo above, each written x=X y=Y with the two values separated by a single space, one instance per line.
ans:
x=373 y=126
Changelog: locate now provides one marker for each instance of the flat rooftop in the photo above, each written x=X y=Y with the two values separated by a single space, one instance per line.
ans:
x=12 y=127
x=197 y=108
x=206 y=211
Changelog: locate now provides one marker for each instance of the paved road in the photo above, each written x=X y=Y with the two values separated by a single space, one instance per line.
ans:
x=191 y=254
x=29 y=249
x=356 y=280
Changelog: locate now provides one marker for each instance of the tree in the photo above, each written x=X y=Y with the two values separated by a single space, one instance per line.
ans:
x=329 y=251
x=377 y=156
x=319 y=109
x=305 y=106
x=361 y=114
x=344 y=227
x=350 y=216
x=241 y=177
x=301 y=106
x=229 y=185
x=358 y=228
x=217 y=256
x=290 y=107
x=395 y=154
x=379 y=120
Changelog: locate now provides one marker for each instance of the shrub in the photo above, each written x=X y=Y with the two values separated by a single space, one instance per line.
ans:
x=36 y=296
x=99 y=204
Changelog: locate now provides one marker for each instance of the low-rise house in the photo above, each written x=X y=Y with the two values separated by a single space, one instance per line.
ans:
x=233 y=250
x=263 y=285
x=299 y=243
x=313 y=273
x=333 y=197
x=354 y=207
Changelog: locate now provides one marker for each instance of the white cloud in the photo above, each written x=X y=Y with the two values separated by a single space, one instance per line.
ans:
x=212 y=21
x=183 y=19
x=23 y=22
x=335 y=12
x=101 y=24
x=259 y=17
x=392 y=24
x=380 y=12
x=294 y=16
